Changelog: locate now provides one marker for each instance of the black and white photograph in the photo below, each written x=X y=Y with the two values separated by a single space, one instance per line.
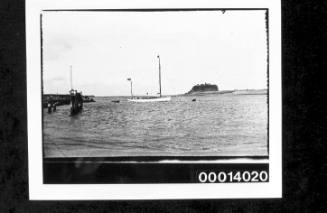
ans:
x=155 y=83
x=162 y=106
x=152 y=96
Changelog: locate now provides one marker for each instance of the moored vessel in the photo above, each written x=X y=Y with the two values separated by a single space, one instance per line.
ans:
x=152 y=99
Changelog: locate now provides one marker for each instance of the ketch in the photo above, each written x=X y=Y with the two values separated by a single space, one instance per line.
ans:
x=152 y=99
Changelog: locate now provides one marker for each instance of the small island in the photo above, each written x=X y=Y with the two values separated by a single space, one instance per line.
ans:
x=209 y=89
x=203 y=88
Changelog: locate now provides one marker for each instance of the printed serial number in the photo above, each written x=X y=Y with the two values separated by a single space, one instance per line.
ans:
x=230 y=177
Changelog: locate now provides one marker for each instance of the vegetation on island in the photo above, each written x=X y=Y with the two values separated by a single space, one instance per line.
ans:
x=203 y=88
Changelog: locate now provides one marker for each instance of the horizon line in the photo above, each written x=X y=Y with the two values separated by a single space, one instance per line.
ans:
x=144 y=95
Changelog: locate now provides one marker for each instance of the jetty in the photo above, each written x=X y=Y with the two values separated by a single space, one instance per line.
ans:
x=63 y=99
x=75 y=98
x=76 y=101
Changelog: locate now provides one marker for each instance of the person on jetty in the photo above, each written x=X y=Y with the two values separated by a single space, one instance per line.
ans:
x=49 y=106
x=54 y=107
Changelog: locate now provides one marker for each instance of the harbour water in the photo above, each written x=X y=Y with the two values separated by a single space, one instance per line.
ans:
x=213 y=125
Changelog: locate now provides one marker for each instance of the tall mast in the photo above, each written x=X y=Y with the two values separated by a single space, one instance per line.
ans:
x=131 y=89
x=159 y=76
x=71 y=77
x=130 y=79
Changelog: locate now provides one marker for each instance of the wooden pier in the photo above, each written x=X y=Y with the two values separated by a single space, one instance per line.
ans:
x=63 y=99
x=76 y=99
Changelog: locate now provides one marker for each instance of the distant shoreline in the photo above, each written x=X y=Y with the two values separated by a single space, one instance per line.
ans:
x=235 y=92
x=208 y=92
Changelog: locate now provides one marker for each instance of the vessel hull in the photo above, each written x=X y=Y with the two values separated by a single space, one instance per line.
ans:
x=163 y=99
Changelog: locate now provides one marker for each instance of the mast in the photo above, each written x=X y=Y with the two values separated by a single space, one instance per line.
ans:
x=159 y=76
x=71 y=77
x=132 y=89
x=130 y=79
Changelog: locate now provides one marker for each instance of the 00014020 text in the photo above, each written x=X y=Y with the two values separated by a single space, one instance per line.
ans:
x=233 y=176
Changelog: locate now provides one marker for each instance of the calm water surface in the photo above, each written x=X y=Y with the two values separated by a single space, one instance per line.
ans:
x=213 y=125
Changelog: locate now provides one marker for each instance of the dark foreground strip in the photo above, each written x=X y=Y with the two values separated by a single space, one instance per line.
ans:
x=153 y=158
x=105 y=170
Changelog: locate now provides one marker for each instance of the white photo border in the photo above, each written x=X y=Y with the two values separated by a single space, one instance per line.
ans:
x=40 y=191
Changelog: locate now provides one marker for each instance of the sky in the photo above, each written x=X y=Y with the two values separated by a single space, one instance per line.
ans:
x=105 y=48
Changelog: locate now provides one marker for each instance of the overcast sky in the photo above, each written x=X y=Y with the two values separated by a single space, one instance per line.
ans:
x=106 y=48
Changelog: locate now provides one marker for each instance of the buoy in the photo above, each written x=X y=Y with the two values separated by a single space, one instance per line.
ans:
x=194 y=99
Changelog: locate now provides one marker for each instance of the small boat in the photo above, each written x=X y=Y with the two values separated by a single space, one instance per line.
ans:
x=115 y=101
x=152 y=99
